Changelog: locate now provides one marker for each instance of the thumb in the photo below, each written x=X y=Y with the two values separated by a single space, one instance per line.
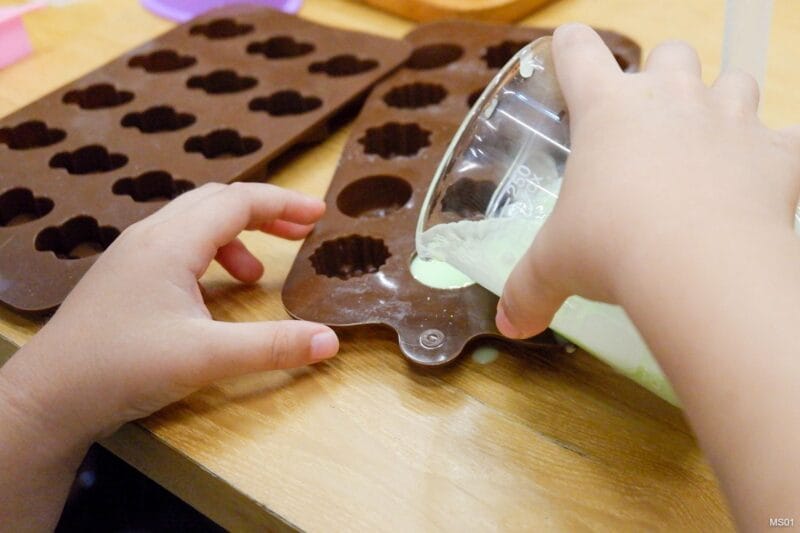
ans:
x=230 y=349
x=529 y=298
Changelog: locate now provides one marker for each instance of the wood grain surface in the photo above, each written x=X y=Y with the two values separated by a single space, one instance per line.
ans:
x=368 y=442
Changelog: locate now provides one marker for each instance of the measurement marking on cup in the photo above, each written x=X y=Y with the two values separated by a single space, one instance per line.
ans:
x=431 y=338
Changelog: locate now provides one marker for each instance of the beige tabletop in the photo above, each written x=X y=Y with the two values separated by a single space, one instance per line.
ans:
x=369 y=442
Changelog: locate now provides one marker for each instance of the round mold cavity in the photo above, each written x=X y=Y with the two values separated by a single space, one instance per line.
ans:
x=438 y=274
x=415 y=95
x=97 y=96
x=468 y=197
x=343 y=65
x=158 y=119
x=498 y=55
x=31 y=134
x=19 y=205
x=219 y=144
x=222 y=28
x=154 y=186
x=223 y=81
x=88 y=160
x=434 y=56
x=395 y=139
x=280 y=47
x=349 y=257
x=283 y=103
x=161 y=61
x=77 y=238
x=374 y=196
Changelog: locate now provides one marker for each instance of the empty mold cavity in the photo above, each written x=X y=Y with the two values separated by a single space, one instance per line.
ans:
x=77 y=238
x=18 y=206
x=434 y=56
x=224 y=28
x=30 y=134
x=343 y=65
x=284 y=103
x=158 y=119
x=374 y=196
x=155 y=186
x=438 y=274
x=222 y=82
x=468 y=197
x=88 y=159
x=98 y=96
x=349 y=257
x=498 y=55
x=280 y=47
x=414 y=95
x=222 y=144
x=395 y=139
x=162 y=61
x=473 y=97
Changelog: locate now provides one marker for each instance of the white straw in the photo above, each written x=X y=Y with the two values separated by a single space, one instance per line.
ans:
x=744 y=47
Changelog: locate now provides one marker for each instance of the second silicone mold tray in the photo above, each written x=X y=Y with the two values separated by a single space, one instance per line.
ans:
x=216 y=99
x=355 y=267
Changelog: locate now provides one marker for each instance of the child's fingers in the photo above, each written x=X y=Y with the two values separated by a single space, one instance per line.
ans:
x=673 y=56
x=232 y=349
x=239 y=262
x=737 y=90
x=583 y=64
x=287 y=230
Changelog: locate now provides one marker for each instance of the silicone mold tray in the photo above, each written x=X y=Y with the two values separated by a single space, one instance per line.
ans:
x=217 y=99
x=354 y=268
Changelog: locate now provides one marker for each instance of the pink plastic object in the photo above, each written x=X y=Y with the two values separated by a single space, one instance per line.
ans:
x=14 y=41
x=183 y=10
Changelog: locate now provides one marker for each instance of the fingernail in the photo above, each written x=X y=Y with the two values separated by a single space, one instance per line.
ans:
x=505 y=326
x=324 y=346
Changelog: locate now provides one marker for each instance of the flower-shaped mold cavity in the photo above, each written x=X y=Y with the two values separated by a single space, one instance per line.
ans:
x=88 y=159
x=98 y=96
x=434 y=56
x=155 y=186
x=473 y=97
x=280 y=47
x=77 y=238
x=18 y=206
x=468 y=197
x=162 y=61
x=222 y=144
x=343 y=65
x=349 y=257
x=498 y=55
x=374 y=196
x=395 y=139
x=158 y=119
x=222 y=82
x=283 y=103
x=30 y=134
x=224 y=28
x=415 y=95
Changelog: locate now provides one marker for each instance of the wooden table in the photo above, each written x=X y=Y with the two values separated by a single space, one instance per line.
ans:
x=368 y=442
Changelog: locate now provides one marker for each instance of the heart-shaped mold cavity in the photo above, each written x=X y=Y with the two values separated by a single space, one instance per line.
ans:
x=161 y=61
x=31 y=134
x=222 y=144
x=468 y=197
x=18 y=206
x=349 y=257
x=343 y=65
x=224 y=28
x=98 y=96
x=374 y=196
x=498 y=55
x=158 y=119
x=155 y=186
x=283 y=103
x=415 y=95
x=88 y=159
x=222 y=82
x=473 y=97
x=434 y=56
x=280 y=47
x=77 y=238
x=395 y=139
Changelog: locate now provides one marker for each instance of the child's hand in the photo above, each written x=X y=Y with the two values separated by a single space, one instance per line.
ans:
x=658 y=160
x=134 y=335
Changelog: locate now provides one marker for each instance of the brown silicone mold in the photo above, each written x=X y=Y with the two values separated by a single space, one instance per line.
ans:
x=354 y=268
x=216 y=99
